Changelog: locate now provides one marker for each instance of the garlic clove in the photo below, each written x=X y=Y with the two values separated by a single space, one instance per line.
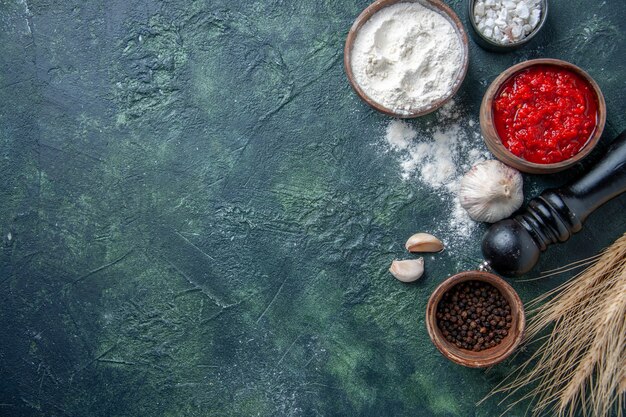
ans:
x=408 y=270
x=423 y=242
x=491 y=191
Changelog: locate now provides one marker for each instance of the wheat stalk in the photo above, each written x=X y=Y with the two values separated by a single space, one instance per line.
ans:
x=581 y=364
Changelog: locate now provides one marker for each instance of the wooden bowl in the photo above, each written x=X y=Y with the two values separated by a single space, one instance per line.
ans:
x=485 y=357
x=493 y=141
x=435 y=5
x=490 y=45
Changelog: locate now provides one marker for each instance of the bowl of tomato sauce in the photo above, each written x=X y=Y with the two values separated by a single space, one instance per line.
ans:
x=542 y=116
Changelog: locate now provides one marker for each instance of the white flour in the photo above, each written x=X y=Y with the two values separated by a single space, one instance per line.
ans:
x=399 y=134
x=406 y=57
x=437 y=156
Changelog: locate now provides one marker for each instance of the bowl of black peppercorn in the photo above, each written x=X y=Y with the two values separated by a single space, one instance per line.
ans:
x=475 y=319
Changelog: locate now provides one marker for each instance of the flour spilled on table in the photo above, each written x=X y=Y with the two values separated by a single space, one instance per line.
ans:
x=437 y=156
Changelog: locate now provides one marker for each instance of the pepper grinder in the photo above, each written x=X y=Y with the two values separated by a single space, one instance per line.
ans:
x=513 y=246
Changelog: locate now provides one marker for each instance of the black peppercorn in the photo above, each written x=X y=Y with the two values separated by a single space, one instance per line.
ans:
x=473 y=315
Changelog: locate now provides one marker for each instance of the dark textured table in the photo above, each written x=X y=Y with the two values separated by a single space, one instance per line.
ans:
x=197 y=213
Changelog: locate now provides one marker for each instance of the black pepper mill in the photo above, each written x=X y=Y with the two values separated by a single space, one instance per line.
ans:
x=513 y=246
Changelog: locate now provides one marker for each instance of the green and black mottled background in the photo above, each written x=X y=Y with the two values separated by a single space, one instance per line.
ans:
x=194 y=221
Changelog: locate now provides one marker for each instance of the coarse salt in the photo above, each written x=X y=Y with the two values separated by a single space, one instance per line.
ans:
x=507 y=21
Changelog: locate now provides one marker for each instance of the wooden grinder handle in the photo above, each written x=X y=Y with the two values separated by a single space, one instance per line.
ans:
x=513 y=246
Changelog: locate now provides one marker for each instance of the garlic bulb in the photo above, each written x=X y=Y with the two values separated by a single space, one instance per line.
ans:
x=491 y=191
x=408 y=270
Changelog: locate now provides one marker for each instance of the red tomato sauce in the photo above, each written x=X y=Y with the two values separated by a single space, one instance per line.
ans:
x=545 y=114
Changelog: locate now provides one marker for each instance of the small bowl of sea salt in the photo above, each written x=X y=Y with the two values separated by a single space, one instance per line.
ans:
x=505 y=25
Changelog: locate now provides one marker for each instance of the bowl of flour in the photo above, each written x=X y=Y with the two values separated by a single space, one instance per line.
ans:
x=406 y=58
